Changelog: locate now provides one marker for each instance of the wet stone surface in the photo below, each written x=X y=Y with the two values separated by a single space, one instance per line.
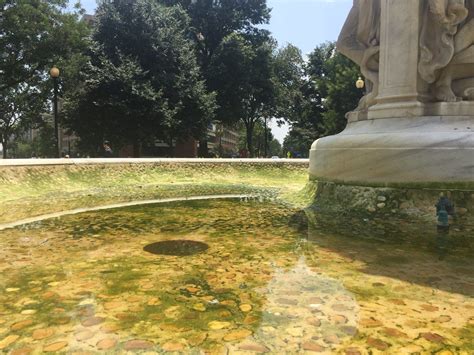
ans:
x=260 y=278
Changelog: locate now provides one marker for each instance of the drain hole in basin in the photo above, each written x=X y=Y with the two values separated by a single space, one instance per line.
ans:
x=176 y=247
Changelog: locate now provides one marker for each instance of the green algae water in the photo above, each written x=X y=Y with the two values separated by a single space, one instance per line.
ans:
x=262 y=277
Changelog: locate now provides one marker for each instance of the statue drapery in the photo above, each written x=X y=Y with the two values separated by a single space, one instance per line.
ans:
x=446 y=61
x=446 y=49
x=360 y=41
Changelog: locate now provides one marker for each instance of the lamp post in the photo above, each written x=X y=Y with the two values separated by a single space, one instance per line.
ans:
x=54 y=72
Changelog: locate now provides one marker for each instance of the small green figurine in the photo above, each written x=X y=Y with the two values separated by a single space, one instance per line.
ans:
x=444 y=209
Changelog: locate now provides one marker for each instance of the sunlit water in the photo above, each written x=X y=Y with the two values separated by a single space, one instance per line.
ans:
x=271 y=279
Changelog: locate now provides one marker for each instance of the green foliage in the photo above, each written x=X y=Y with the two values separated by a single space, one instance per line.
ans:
x=34 y=35
x=337 y=86
x=20 y=106
x=274 y=148
x=42 y=144
x=258 y=137
x=25 y=54
x=212 y=21
x=244 y=72
x=327 y=94
x=289 y=78
x=116 y=103
x=142 y=82
x=213 y=24
x=163 y=69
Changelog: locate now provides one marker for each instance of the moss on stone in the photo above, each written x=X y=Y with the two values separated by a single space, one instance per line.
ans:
x=32 y=191
x=421 y=185
x=390 y=203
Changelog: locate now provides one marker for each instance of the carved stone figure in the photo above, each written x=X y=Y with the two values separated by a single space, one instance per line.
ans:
x=360 y=41
x=447 y=49
x=418 y=60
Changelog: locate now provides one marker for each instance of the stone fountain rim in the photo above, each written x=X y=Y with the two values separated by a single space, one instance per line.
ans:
x=44 y=217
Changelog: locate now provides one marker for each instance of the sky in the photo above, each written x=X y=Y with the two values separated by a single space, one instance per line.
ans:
x=303 y=23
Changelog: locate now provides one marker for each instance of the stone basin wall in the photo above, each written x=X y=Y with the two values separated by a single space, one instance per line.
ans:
x=33 y=187
x=394 y=203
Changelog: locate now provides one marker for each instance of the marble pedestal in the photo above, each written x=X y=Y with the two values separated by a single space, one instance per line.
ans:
x=424 y=151
x=412 y=136
x=405 y=136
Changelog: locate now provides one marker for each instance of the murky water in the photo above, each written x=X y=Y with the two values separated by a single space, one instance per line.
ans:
x=271 y=280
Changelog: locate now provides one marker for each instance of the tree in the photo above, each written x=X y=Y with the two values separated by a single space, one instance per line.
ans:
x=258 y=137
x=296 y=99
x=327 y=94
x=116 y=103
x=42 y=145
x=243 y=71
x=20 y=106
x=34 y=35
x=143 y=82
x=289 y=78
x=337 y=86
x=274 y=148
x=211 y=23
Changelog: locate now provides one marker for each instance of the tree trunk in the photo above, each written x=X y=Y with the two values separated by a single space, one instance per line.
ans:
x=4 y=146
x=172 y=152
x=136 y=149
x=203 y=151
x=249 y=128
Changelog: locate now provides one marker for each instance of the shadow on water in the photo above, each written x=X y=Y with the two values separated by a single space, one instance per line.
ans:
x=411 y=252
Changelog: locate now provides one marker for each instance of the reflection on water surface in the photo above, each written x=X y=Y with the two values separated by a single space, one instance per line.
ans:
x=272 y=280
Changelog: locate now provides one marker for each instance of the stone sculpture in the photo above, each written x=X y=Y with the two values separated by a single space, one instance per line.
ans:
x=360 y=41
x=418 y=115
x=447 y=49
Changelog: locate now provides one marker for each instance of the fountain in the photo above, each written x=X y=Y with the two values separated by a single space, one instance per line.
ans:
x=412 y=134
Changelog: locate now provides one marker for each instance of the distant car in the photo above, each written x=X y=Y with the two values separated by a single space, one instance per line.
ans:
x=275 y=157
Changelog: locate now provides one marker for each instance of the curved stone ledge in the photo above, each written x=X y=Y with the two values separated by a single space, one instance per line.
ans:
x=31 y=190
x=117 y=205
x=153 y=161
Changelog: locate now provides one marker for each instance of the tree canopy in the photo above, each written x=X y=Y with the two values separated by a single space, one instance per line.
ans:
x=34 y=35
x=149 y=70
x=142 y=81
x=327 y=93
x=244 y=73
x=213 y=23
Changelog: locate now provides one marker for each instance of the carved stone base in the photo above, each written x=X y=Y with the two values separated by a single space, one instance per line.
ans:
x=406 y=203
x=413 y=109
x=424 y=151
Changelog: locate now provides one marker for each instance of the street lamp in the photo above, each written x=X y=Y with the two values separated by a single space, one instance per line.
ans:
x=54 y=72
x=360 y=83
